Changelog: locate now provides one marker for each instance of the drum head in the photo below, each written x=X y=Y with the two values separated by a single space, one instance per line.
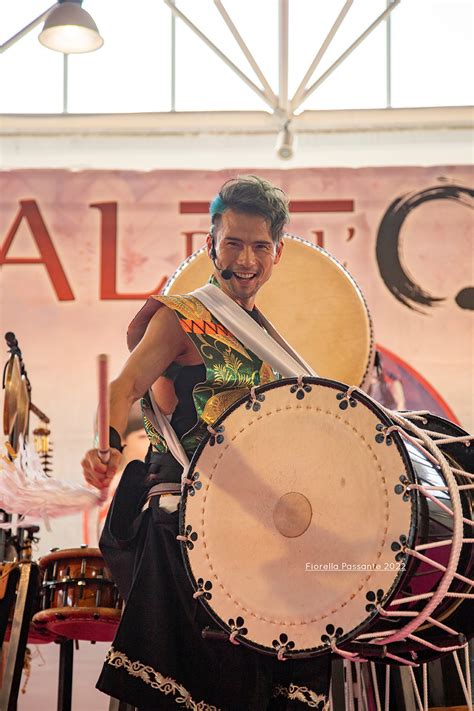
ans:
x=293 y=521
x=312 y=301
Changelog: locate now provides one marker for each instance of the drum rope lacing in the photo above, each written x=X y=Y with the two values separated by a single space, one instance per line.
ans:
x=423 y=441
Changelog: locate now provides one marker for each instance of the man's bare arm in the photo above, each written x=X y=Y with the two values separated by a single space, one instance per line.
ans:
x=164 y=342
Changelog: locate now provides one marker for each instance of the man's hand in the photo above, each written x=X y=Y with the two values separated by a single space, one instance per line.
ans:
x=96 y=472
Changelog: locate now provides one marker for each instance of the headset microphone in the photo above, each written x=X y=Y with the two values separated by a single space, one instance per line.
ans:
x=225 y=273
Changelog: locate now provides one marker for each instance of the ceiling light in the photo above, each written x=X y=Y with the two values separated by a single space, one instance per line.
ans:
x=285 y=144
x=70 y=29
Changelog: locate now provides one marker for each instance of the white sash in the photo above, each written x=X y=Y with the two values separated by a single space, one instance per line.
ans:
x=267 y=344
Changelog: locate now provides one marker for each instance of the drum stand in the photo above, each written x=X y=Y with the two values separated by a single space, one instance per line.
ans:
x=355 y=686
x=26 y=592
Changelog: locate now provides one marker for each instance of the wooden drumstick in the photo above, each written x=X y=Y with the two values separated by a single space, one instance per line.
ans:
x=103 y=409
x=103 y=415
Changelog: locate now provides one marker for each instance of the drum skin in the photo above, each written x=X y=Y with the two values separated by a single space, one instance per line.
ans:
x=295 y=520
x=314 y=303
x=79 y=600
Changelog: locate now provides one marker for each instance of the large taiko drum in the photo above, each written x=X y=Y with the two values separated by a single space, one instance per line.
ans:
x=312 y=521
x=79 y=599
x=314 y=303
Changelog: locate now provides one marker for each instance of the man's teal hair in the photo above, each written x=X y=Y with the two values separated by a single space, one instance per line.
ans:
x=217 y=207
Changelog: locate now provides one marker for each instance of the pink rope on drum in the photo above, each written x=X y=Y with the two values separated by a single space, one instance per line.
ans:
x=435 y=647
x=425 y=559
x=457 y=514
x=402 y=660
x=452 y=440
x=463 y=579
x=393 y=613
x=436 y=544
x=232 y=637
x=412 y=598
x=436 y=501
x=347 y=655
x=447 y=629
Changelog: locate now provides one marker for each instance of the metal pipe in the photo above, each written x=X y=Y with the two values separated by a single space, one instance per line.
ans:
x=173 y=61
x=217 y=51
x=65 y=83
x=250 y=58
x=18 y=36
x=283 y=20
x=295 y=102
x=349 y=50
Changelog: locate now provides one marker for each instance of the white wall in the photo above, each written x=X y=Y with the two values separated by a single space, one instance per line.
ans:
x=422 y=137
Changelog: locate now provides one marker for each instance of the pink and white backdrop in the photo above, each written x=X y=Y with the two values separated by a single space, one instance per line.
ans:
x=79 y=252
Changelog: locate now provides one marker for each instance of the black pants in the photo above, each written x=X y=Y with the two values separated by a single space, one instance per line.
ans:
x=159 y=659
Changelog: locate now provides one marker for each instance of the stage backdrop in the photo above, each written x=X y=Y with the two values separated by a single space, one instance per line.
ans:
x=80 y=251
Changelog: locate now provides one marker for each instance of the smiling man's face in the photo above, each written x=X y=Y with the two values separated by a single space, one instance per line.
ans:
x=244 y=245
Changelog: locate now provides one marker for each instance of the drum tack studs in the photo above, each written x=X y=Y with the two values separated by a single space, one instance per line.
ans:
x=189 y=538
x=399 y=546
x=255 y=400
x=283 y=645
x=403 y=488
x=300 y=388
x=333 y=634
x=383 y=435
x=216 y=435
x=193 y=484
x=203 y=589
x=375 y=598
x=236 y=628
x=345 y=399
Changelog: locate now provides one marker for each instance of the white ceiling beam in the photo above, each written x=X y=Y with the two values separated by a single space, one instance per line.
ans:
x=283 y=24
x=349 y=50
x=249 y=56
x=191 y=123
x=217 y=51
x=320 y=54
x=6 y=45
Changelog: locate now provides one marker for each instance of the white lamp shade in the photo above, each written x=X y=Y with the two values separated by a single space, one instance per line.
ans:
x=70 y=29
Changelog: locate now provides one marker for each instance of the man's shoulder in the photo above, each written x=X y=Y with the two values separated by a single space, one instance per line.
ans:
x=187 y=305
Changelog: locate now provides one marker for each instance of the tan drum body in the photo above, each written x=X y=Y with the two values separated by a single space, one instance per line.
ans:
x=313 y=302
x=79 y=600
x=291 y=518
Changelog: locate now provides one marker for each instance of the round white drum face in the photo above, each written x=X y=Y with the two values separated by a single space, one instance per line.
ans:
x=328 y=322
x=292 y=514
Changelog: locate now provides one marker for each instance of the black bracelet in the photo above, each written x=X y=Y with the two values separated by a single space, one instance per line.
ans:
x=115 y=441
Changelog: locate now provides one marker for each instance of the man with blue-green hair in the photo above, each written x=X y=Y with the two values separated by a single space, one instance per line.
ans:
x=188 y=366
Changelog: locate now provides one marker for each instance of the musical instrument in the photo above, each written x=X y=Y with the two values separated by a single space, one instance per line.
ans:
x=9 y=577
x=329 y=325
x=79 y=599
x=314 y=520
x=16 y=408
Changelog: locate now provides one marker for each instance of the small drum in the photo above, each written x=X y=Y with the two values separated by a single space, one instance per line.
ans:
x=314 y=520
x=329 y=326
x=79 y=599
